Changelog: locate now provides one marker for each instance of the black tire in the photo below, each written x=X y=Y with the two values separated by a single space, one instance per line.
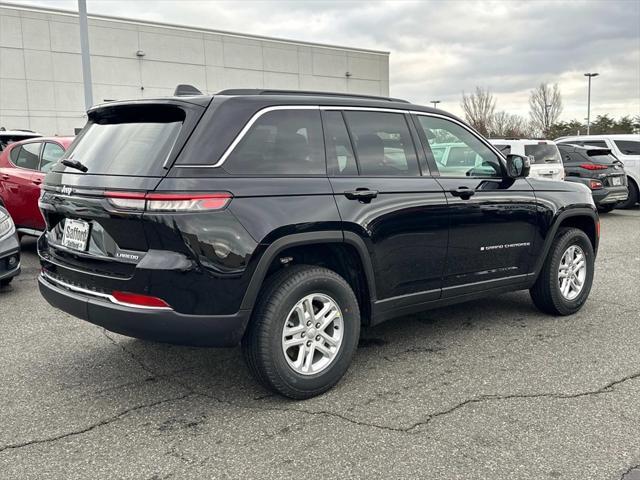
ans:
x=607 y=208
x=545 y=293
x=262 y=343
x=633 y=197
x=5 y=282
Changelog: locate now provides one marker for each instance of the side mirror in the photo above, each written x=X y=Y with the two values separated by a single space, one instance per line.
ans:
x=518 y=166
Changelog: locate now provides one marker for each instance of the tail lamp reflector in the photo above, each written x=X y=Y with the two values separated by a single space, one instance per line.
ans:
x=169 y=202
x=139 y=300
x=593 y=166
x=595 y=184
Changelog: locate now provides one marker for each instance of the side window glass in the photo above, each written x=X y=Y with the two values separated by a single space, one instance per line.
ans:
x=340 y=158
x=457 y=152
x=505 y=149
x=383 y=144
x=628 y=147
x=281 y=142
x=596 y=143
x=28 y=156
x=14 y=154
x=50 y=155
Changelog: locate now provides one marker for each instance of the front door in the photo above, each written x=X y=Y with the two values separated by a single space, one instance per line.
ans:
x=382 y=198
x=492 y=217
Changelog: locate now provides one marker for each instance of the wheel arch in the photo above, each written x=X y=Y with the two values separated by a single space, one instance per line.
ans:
x=584 y=219
x=344 y=253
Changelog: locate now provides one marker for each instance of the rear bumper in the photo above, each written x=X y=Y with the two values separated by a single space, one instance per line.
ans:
x=609 y=195
x=150 y=324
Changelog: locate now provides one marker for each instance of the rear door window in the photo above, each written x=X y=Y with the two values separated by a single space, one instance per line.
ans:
x=543 y=153
x=383 y=144
x=628 y=147
x=340 y=157
x=51 y=153
x=128 y=140
x=28 y=156
x=281 y=142
x=594 y=143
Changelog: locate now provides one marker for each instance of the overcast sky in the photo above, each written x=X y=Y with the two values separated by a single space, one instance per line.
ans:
x=441 y=48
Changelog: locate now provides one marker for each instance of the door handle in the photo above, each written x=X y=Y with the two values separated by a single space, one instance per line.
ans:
x=361 y=194
x=36 y=182
x=463 y=192
x=5 y=176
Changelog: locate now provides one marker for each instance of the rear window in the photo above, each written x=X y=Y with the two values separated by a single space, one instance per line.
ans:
x=281 y=142
x=128 y=140
x=504 y=149
x=543 y=153
x=606 y=159
x=628 y=147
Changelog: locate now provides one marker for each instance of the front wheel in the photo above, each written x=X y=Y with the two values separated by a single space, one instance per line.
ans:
x=304 y=331
x=564 y=283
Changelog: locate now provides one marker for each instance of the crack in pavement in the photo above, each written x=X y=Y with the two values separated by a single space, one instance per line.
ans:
x=630 y=470
x=101 y=423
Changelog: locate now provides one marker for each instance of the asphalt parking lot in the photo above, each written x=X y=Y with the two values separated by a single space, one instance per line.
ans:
x=490 y=389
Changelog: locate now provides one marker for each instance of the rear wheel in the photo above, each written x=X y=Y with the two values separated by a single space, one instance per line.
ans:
x=304 y=331
x=564 y=283
x=633 y=197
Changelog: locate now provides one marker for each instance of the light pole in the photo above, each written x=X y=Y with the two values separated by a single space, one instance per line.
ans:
x=435 y=103
x=589 y=76
x=84 y=50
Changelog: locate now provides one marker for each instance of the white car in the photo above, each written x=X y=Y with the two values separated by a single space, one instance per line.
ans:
x=546 y=162
x=626 y=148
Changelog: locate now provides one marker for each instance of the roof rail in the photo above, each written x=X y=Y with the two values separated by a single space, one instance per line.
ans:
x=254 y=91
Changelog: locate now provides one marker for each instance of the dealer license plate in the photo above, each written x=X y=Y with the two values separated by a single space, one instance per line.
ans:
x=76 y=234
x=616 y=181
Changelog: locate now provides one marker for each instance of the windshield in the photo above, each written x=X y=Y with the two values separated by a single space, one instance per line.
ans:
x=543 y=153
x=127 y=143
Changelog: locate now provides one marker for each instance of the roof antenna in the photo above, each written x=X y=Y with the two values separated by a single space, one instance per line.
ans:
x=185 y=90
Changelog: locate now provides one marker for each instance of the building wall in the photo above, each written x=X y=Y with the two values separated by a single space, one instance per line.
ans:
x=41 y=72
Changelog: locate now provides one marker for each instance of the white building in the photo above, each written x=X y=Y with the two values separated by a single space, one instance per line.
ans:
x=41 y=72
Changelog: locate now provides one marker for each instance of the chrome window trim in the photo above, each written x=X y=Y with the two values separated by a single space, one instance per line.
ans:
x=265 y=110
x=91 y=293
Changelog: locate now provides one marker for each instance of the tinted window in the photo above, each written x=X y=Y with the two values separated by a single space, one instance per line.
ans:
x=340 y=158
x=457 y=152
x=281 y=142
x=50 y=155
x=504 y=149
x=383 y=144
x=28 y=156
x=128 y=140
x=543 y=153
x=15 y=151
x=595 y=143
x=628 y=147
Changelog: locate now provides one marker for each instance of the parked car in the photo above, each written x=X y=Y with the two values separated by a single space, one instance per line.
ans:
x=22 y=169
x=285 y=220
x=599 y=170
x=626 y=148
x=9 y=249
x=546 y=162
x=7 y=137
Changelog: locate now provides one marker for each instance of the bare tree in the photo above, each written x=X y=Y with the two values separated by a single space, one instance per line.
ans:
x=545 y=103
x=478 y=109
x=506 y=125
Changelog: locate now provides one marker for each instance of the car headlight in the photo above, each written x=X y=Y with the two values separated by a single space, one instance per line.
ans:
x=6 y=225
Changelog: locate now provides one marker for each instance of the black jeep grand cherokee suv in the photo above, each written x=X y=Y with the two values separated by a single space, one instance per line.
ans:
x=286 y=220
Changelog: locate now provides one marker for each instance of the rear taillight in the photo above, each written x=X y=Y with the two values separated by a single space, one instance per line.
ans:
x=169 y=202
x=593 y=166
x=138 y=300
x=595 y=184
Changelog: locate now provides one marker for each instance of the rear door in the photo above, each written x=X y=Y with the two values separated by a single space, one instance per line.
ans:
x=126 y=149
x=492 y=218
x=21 y=185
x=401 y=216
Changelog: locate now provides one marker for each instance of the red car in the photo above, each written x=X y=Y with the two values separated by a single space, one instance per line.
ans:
x=23 y=166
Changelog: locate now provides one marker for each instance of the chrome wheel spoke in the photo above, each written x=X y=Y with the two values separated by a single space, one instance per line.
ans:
x=572 y=272
x=312 y=334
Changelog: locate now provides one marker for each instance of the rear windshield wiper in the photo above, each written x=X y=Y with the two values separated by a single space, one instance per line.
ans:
x=74 y=164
